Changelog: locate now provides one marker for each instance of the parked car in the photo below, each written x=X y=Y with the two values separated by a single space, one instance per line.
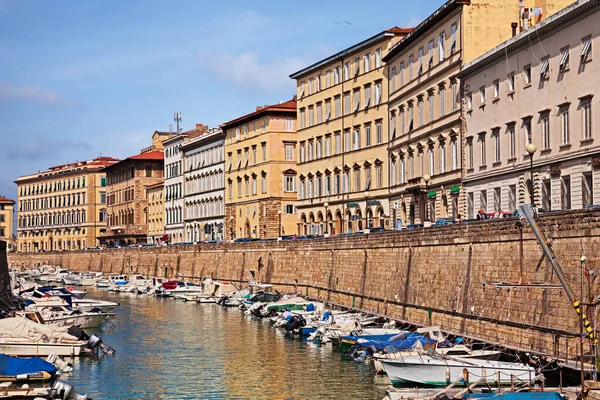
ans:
x=444 y=221
x=414 y=226
x=242 y=240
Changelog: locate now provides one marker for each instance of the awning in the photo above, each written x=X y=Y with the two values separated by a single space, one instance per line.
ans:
x=432 y=194
x=165 y=237
x=455 y=189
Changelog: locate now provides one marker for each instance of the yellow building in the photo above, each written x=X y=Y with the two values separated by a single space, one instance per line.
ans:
x=425 y=149
x=342 y=141
x=7 y=215
x=63 y=208
x=260 y=175
x=156 y=212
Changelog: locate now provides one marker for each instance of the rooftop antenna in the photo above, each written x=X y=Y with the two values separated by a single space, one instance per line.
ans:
x=177 y=118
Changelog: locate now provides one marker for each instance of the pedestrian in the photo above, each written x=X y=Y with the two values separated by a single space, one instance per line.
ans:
x=498 y=214
x=481 y=214
x=458 y=219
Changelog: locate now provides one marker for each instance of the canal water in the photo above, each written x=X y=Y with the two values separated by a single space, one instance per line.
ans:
x=170 y=349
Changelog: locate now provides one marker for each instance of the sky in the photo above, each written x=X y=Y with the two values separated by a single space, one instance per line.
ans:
x=83 y=78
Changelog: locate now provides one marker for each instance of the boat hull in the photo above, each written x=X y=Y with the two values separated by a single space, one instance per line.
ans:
x=24 y=348
x=440 y=373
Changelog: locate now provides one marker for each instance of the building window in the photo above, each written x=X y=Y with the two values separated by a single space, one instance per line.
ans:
x=319 y=113
x=264 y=151
x=367 y=96
x=511 y=142
x=454 y=150
x=336 y=184
x=586 y=108
x=263 y=183
x=483 y=149
x=347 y=141
x=431 y=107
x=318 y=83
x=239 y=188
x=393 y=80
x=367 y=135
x=356 y=66
x=402 y=171
x=327 y=110
x=367 y=62
x=482 y=95
x=545 y=131
x=328 y=79
x=336 y=75
x=563 y=64
x=528 y=131
x=430 y=53
x=545 y=68
x=470 y=206
x=392 y=127
x=338 y=106
x=289 y=152
x=421 y=111
x=564 y=123
x=511 y=82
x=453 y=37
x=442 y=158
x=410 y=68
x=483 y=200
x=289 y=184
x=442 y=101
x=469 y=97
x=327 y=146
x=338 y=143
x=587 y=191
x=254 y=186
x=318 y=149
x=302 y=119
x=420 y=57
x=454 y=96
x=347 y=71
x=393 y=167
x=357 y=179
x=496 y=89
x=356 y=100
x=379 y=172
x=289 y=124
x=566 y=193
x=347 y=103
x=302 y=152
x=356 y=139
x=586 y=49
x=346 y=182
x=497 y=146
x=103 y=181
x=527 y=74
x=377 y=58
x=401 y=74
x=327 y=186
x=377 y=99
x=311 y=154
x=431 y=162
x=379 y=129
x=442 y=46
x=311 y=116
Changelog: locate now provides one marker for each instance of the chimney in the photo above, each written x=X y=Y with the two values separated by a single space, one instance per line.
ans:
x=258 y=108
x=514 y=27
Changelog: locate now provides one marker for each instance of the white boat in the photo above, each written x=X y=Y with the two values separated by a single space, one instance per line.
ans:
x=65 y=316
x=90 y=279
x=439 y=371
x=185 y=289
x=71 y=279
x=112 y=278
x=20 y=336
x=214 y=290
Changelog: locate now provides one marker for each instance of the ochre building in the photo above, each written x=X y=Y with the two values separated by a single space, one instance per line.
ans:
x=342 y=139
x=260 y=172
x=7 y=215
x=63 y=208
x=156 y=212
x=425 y=150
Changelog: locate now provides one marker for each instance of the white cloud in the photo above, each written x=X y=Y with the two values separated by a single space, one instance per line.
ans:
x=33 y=94
x=249 y=72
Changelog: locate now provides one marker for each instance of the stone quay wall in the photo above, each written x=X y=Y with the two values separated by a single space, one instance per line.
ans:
x=442 y=276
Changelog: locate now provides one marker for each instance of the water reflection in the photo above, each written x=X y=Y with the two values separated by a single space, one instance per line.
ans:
x=177 y=350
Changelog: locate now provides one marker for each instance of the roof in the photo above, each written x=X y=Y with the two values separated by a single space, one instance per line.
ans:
x=352 y=49
x=200 y=129
x=213 y=135
x=151 y=155
x=428 y=23
x=286 y=107
x=161 y=183
x=101 y=161
x=569 y=14
x=6 y=200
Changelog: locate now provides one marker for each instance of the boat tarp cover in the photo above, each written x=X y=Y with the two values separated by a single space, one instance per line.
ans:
x=396 y=345
x=16 y=366
x=516 y=396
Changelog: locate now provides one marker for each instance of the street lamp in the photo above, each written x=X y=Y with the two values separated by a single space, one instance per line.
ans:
x=279 y=213
x=231 y=226
x=326 y=221
x=531 y=148
x=426 y=178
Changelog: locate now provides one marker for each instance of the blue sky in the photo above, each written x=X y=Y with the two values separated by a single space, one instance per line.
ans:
x=81 y=78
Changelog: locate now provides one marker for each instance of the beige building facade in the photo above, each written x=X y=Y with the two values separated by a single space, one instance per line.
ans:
x=536 y=88
x=63 y=208
x=127 y=205
x=7 y=215
x=342 y=142
x=425 y=152
x=260 y=173
x=156 y=212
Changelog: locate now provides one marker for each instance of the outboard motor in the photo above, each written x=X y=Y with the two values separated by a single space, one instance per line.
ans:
x=65 y=391
x=295 y=322
x=95 y=342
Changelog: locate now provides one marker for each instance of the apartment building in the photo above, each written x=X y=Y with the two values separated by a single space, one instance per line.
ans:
x=260 y=172
x=204 y=186
x=156 y=212
x=64 y=207
x=342 y=147
x=174 y=183
x=7 y=215
x=425 y=152
x=530 y=106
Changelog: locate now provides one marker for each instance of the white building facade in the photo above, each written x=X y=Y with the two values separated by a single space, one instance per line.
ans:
x=536 y=88
x=173 y=191
x=204 y=186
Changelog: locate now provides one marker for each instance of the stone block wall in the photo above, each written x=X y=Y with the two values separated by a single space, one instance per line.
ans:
x=447 y=272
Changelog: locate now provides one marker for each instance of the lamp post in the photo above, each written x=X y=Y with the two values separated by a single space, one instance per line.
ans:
x=326 y=221
x=426 y=178
x=279 y=213
x=366 y=194
x=531 y=148
x=231 y=227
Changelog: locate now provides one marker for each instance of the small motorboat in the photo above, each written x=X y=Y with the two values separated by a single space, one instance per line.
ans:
x=14 y=369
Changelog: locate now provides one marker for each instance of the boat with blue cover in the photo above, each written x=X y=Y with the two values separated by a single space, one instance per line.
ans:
x=14 y=369
x=402 y=340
